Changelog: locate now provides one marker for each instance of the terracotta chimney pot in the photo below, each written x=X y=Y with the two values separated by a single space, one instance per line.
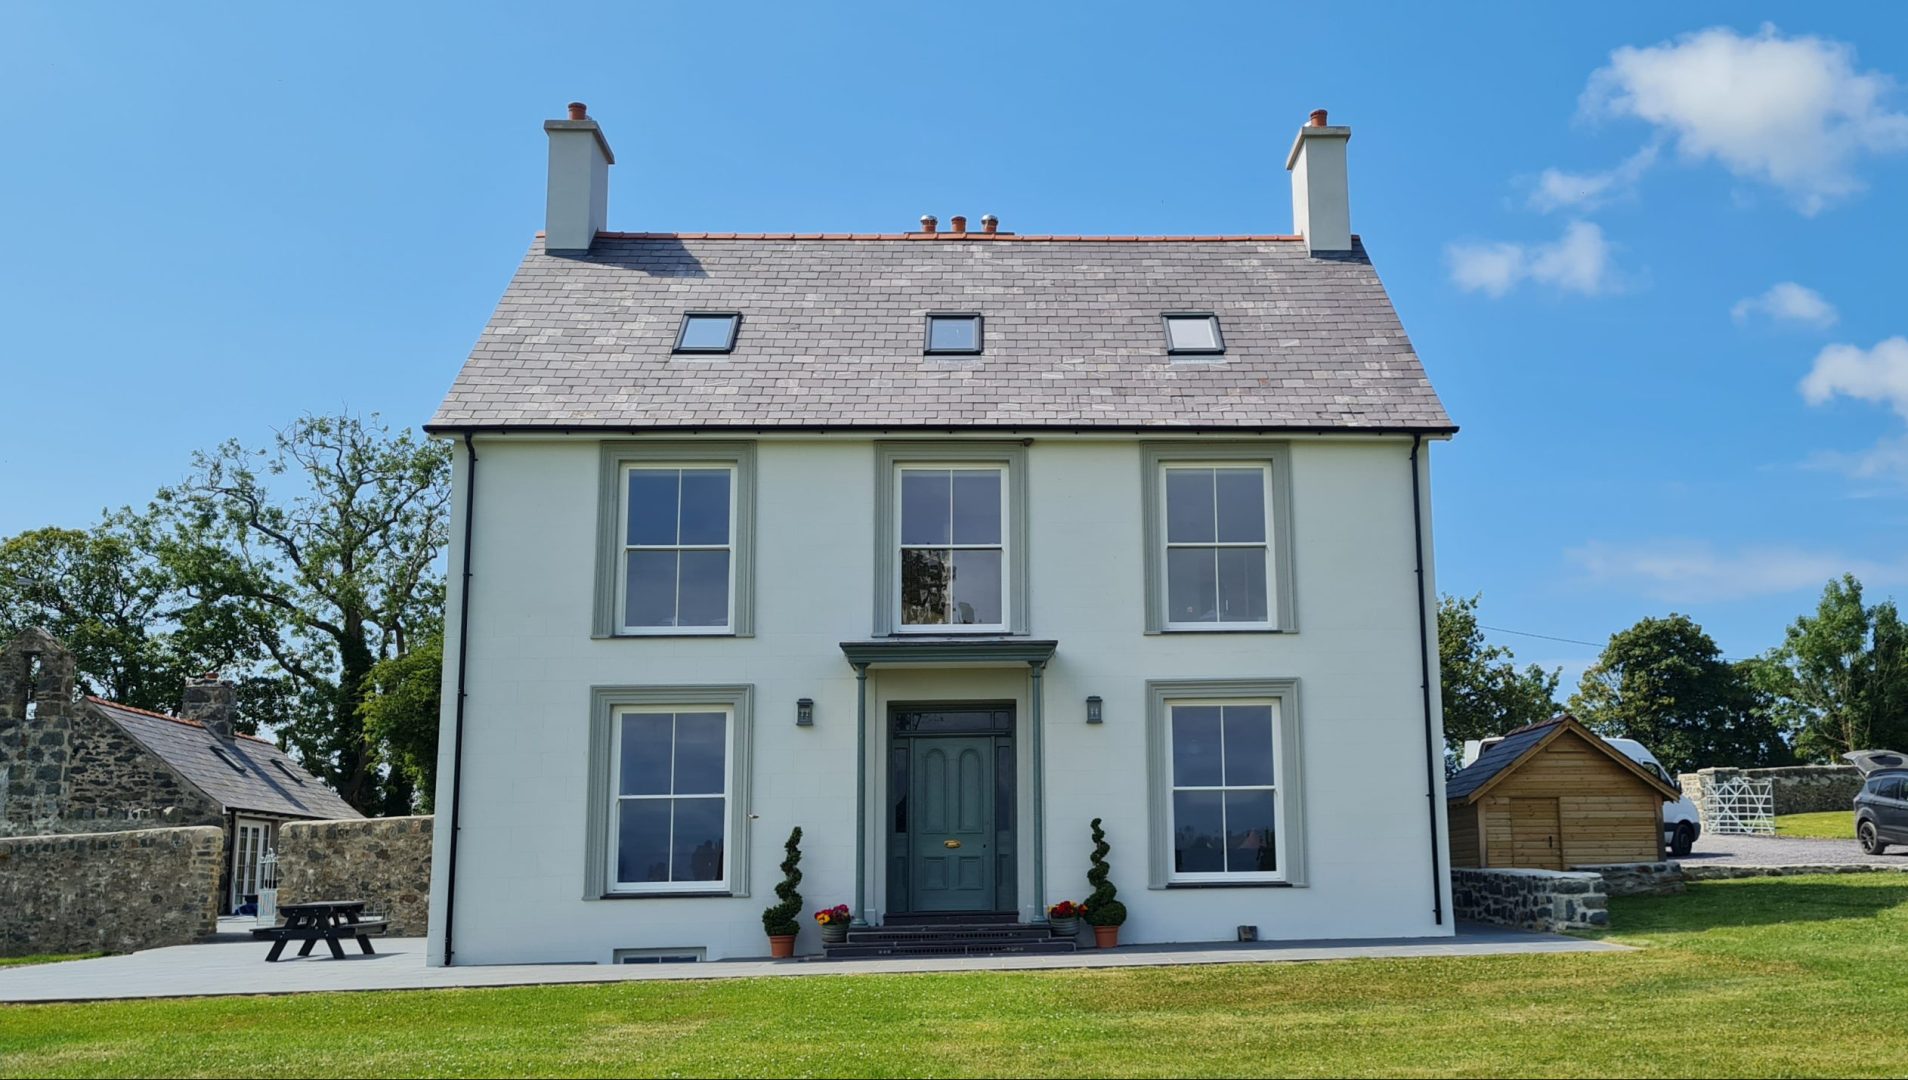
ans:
x=1318 y=117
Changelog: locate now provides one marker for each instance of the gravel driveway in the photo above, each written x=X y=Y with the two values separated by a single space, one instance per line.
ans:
x=1713 y=850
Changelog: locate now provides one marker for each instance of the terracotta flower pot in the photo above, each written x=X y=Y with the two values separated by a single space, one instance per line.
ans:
x=1106 y=937
x=781 y=946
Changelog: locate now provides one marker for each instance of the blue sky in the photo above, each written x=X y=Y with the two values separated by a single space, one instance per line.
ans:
x=1649 y=253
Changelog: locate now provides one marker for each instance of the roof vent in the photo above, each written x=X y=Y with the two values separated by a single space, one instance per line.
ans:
x=928 y=222
x=989 y=223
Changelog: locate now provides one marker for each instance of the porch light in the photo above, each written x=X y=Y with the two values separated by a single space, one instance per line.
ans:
x=1093 y=709
x=805 y=712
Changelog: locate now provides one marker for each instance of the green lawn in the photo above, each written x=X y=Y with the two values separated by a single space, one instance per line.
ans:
x=1827 y=825
x=22 y=961
x=1758 y=977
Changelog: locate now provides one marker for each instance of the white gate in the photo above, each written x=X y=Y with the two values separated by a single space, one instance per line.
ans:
x=1737 y=805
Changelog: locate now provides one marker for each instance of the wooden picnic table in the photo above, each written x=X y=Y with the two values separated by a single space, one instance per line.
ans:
x=328 y=921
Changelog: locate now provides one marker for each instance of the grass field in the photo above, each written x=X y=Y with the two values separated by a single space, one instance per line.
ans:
x=1760 y=977
x=21 y=961
x=1828 y=825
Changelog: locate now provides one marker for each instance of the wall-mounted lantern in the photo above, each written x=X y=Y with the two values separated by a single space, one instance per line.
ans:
x=1093 y=709
x=805 y=712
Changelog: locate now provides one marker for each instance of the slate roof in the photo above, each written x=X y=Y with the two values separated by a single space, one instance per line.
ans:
x=258 y=785
x=832 y=326
x=1498 y=758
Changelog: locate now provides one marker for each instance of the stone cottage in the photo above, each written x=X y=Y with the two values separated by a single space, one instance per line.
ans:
x=78 y=764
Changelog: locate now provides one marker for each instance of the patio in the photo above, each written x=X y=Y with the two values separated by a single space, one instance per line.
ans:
x=230 y=965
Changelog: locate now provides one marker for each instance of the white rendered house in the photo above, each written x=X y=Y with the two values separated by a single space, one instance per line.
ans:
x=938 y=545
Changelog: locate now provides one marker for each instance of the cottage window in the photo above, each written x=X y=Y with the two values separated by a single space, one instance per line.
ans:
x=1224 y=779
x=1218 y=550
x=668 y=791
x=671 y=813
x=674 y=547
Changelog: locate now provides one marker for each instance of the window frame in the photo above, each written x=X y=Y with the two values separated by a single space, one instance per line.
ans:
x=623 y=625
x=927 y=333
x=1275 y=458
x=1175 y=876
x=682 y=332
x=1218 y=335
x=614 y=883
x=1003 y=545
x=617 y=459
x=607 y=705
x=1168 y=545
x=1288 y=778
x=890 y=458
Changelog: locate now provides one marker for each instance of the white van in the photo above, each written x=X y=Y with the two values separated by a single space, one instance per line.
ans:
x=1682 y=822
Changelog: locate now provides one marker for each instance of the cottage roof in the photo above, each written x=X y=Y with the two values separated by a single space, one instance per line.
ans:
x=244 y=773
x=1522 y=744
x=831 y=336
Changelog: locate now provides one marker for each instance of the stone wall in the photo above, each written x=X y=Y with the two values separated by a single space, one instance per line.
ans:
x=1530 y=899
x=1798 y=789
x=385 y=862
x=1639 y=879
x=110 y=891
x=1726 y=872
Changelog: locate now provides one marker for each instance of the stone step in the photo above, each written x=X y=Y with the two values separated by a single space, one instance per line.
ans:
x=933 y=947
x=884 y=935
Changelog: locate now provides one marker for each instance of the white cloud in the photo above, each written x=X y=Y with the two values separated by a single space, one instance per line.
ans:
x=1556 y=189
x=1883 y=467
x=1879 y=375
x=1787 y=302
x=1578 y=261
x=1789 y=111
x=1688 y=571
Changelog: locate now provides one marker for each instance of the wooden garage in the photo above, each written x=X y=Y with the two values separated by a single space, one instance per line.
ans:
x=1551 y=796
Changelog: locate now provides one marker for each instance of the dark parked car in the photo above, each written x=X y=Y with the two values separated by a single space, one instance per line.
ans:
x=1881 y=807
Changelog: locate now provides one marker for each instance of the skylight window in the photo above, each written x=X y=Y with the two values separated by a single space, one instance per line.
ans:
x=953 y=332
x=289 y=775
x=227 y=758
x=1193 y=333
x=708 y=332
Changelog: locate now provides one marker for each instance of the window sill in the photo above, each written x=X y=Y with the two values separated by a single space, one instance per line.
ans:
x=1172 y=885
x=643 y=634
x=674 y=894
x=1222 y=629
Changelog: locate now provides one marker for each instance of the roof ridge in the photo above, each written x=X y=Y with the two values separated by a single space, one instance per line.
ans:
x=945 y=236
x=96 y=699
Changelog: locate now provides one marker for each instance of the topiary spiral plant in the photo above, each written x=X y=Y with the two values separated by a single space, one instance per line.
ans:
x=783 y=918
x=1101 y=907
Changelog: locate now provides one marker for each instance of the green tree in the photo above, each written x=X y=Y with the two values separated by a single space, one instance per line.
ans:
x=1483 y=691
x=401 y=711
x=1840 y=676
x=327 y=576
x=1664 y=683
x=107 y=601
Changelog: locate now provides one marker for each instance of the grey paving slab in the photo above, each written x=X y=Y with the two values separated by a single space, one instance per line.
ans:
x=1718 y=850
x=227 y=967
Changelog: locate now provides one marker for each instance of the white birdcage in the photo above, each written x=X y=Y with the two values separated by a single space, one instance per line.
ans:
x=1739 y=806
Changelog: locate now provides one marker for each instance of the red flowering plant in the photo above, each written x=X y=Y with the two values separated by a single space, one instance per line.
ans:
x=834 y=915
x=1066 y=909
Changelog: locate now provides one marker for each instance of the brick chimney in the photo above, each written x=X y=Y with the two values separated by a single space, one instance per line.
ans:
x=578 y=204
x=213 y=702
x=1321 y=201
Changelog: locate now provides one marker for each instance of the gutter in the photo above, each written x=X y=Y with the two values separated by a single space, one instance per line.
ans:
x=457 y=743
x=599 y=430
x=1433 y=754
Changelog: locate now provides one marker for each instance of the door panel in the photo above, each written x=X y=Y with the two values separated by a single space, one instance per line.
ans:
x=1536 y=836
x=952 y=836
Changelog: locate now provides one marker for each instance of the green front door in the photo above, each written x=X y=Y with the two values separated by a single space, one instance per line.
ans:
x=952 y=838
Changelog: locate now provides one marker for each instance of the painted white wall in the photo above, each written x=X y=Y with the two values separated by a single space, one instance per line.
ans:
x=1321 y=194
x=532 y=661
